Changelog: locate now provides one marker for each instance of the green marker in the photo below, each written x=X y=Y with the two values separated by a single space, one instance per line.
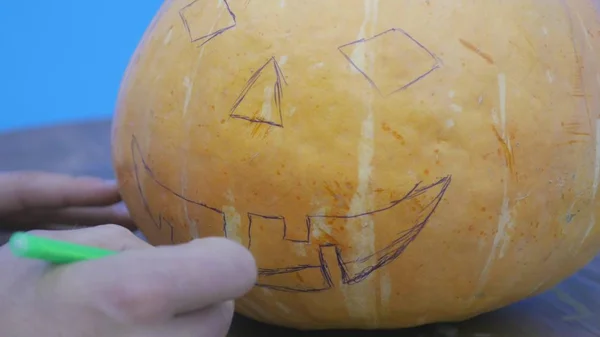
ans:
x=54 y=251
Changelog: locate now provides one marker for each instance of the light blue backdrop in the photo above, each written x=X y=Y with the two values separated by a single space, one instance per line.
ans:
x=62 y=60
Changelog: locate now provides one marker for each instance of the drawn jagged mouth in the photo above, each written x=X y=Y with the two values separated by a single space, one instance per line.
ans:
x=316 y=273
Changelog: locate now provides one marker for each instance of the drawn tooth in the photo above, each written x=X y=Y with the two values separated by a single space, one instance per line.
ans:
x=315 y=274
x=275 y=277
x=213 y=219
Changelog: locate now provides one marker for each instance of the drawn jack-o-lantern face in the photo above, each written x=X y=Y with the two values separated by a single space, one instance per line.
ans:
x=355 y=150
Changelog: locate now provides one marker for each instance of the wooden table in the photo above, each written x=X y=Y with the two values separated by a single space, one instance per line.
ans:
x=572 y=309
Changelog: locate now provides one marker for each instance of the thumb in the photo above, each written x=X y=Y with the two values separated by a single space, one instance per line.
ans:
x=147 y=285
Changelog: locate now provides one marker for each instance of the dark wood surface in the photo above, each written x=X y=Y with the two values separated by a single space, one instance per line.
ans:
x=572 y=309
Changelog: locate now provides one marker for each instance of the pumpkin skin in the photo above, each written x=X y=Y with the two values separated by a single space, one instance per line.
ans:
x=388 y=163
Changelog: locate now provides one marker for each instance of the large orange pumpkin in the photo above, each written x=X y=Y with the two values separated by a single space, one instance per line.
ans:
x=388 y=163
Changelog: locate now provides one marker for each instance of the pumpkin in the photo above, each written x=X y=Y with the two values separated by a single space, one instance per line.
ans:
x=388 y=163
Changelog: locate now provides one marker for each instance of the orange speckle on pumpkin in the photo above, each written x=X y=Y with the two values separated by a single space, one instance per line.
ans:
x=385 y=127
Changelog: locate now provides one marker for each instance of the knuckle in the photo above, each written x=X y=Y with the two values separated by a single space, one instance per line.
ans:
x=232 y=248
x=133 y=303
x=241 y=259
x=51 y=234
x=115 y=230
x=223 y=316
x=228 y=309
x=118 y=238
x=39 y=232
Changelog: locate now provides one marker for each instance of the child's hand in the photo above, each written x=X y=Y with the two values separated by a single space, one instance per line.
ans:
x=36 y=199
x=144 y=291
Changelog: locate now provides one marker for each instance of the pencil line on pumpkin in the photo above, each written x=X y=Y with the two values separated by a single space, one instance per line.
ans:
x=430 y=197
x=205 y=38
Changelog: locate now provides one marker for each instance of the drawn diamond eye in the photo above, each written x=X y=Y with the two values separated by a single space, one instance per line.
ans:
x=207 y=23
x=391 y=71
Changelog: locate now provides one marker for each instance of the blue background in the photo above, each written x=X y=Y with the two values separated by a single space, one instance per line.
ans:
x=62 y=60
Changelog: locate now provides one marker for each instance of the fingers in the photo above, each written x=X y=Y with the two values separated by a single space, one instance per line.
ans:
x=93 y=216
x=26 y=190
x=111 y=237
x=107 y=236
x=38 y=199
x=157 y=284
x=213 y=321
x=76 y=216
